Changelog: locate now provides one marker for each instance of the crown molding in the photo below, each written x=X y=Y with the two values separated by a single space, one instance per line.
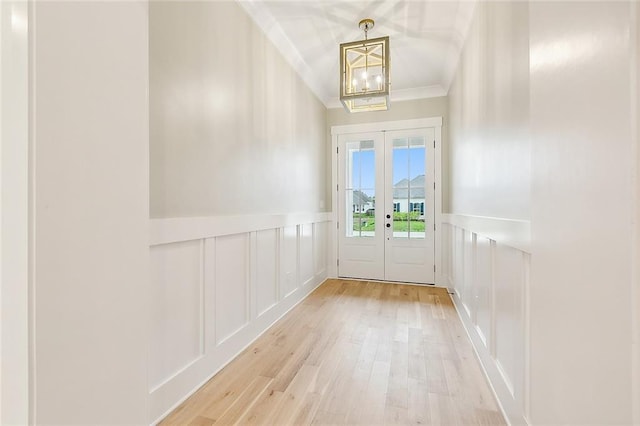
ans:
x=401 y=95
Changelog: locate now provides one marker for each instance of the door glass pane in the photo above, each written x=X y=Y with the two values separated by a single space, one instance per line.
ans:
x=356 y=162
x=400 y=158
x=409 y=187
x=417 y=158
x=360 y=189
x=416 y=213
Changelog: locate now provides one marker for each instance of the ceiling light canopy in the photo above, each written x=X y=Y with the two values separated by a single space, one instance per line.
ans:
x=364 y=72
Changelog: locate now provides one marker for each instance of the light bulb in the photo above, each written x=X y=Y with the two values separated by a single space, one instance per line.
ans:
x=379 y=79
x=354 y=82
x=364 y=75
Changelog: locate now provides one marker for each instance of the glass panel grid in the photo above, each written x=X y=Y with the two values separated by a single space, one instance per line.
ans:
x=360 y=189
x=409 y=191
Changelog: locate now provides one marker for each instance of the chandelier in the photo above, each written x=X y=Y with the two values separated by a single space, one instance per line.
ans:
x=364 y=72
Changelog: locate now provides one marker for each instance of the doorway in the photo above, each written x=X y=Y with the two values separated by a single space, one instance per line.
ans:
x=386 y=202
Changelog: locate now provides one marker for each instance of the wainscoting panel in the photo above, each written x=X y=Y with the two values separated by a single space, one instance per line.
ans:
x=266 y=270
x=447 y=255
x=508 y=293
x=320 y=247
x=176 y=308
x=486 y=265
x=289 y=276
x=217 y=284
x=306 y=253
x=231 y=285
x=458 y=263
x=468 y=274
x=483 y=290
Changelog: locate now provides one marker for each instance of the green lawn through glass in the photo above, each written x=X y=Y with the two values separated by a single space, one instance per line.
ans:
x=401 y=222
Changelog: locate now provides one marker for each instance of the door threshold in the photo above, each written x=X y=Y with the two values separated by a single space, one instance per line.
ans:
x=387 y=282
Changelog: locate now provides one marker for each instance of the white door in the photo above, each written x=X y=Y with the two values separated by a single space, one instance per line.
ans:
x=386 y=205
x=361 y=241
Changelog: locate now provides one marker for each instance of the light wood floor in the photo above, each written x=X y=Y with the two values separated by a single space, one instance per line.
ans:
x=353 y=353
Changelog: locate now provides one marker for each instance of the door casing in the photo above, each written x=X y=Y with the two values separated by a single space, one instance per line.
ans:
x=432 y=122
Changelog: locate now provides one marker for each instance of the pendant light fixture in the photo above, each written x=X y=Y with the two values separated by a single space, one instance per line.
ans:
x=364 y=72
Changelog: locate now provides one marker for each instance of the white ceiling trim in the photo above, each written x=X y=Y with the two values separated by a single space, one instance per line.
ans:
x=434 y=91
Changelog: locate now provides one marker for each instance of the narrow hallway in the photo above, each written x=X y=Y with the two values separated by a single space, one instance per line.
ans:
x=353 y=352
x=183 y=182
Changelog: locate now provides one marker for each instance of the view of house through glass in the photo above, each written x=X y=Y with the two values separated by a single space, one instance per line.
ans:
x=360 y=189
x=408 y=180
x=409 y=187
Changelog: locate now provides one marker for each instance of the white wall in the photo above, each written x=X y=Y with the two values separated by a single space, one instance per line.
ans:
x=488 y=103
x=234 y=130
x=89 y=129
x=14 y=209
x=636 y=221
x=581 y=212
x=543 y=157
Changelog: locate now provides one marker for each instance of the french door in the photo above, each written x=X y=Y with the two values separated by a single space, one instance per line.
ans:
x=386 y=205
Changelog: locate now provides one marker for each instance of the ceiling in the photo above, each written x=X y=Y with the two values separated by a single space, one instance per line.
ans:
x=426 y=37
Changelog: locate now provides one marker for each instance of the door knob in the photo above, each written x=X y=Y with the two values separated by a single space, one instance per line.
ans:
x=388 y=225
x=388 y=216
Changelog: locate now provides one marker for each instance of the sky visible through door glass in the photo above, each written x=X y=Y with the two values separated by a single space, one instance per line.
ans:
x=415 y=160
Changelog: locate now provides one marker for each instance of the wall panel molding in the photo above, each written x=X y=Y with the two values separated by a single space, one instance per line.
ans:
x=171 y=230
x=232 y=310
x=176 y=307
x=489 y=279
x=227 y=288
x=510 y=232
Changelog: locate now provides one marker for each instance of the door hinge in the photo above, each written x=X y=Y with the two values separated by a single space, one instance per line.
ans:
x=337 y=188
x=434 y=144
x=337 y=149
x=337 y=262
x=434 y=226
x=434 y=186
x=337 y=225
x=434 y=268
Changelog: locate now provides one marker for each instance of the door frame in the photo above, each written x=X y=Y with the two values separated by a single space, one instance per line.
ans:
x=382 y=126
x=16 y=371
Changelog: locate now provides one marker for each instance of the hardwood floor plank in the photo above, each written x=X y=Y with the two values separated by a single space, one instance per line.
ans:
x=293 y=398
x=262 y=410
x=397 y=392
x=308 y=409
x=201 y=421
x=373 y=400
x=353 y=352
x=244 y=402
x=416 y=365
x=289 y=366
x=418 y=410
